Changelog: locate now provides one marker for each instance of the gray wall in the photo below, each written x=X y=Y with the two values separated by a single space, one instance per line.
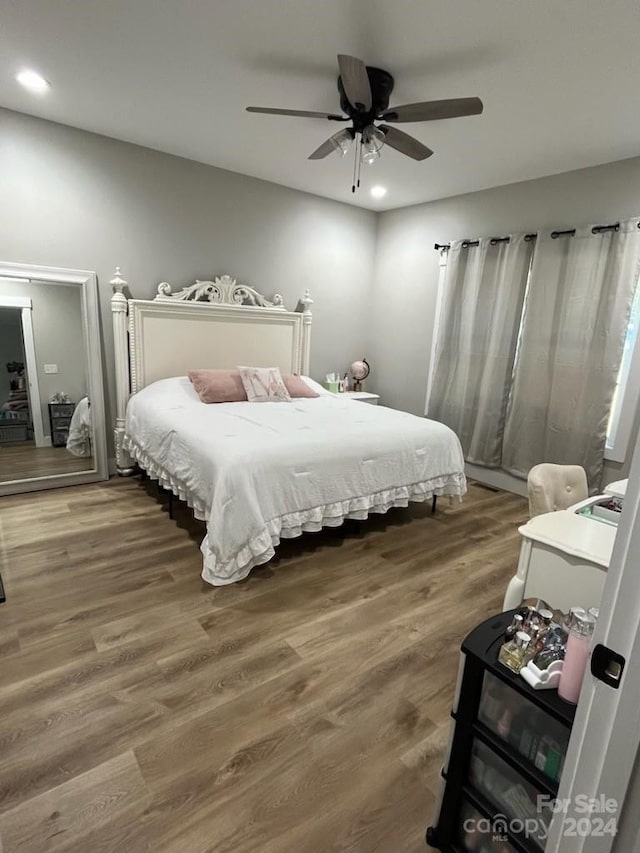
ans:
x=86 y=201
x=10 y=346
x=56 y=317
x=89 y=202
x=406 y=274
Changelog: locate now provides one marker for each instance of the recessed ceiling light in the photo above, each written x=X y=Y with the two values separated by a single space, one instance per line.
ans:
x=32 y=81
x=378 y=191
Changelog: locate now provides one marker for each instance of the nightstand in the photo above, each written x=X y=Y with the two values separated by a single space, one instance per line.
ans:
x=362 y=396
x=60 y=415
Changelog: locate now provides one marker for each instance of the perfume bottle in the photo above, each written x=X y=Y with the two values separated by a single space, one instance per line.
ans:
x=573 y=612
x=528 y=613
x=548 y=655
x=546 y=617
x=556 y=636
x=512 y=654
x=514 y=627
x=542 y=631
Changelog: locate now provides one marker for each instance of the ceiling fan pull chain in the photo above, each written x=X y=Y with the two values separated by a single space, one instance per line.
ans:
x=355 y=164
x=359 y=161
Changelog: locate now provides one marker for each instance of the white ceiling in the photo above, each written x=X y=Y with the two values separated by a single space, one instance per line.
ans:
x=560 y=80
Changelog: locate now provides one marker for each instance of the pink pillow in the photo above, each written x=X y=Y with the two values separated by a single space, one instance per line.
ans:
x=218 y=386
x=296 y=386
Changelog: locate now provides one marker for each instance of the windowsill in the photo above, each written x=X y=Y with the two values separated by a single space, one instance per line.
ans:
x=613 y=455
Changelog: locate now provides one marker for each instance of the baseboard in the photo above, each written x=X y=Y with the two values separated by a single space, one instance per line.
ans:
x=496 y=479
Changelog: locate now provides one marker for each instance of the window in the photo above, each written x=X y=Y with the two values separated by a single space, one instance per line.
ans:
x=627 y=390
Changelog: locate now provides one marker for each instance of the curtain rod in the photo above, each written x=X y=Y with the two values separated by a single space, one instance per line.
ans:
x=493 y=241
x=570 y=232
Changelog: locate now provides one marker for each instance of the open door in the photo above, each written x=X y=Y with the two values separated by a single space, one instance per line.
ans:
x=35 y=405
x=606 y=734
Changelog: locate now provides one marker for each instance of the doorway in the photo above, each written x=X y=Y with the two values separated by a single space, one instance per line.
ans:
x=21 y=423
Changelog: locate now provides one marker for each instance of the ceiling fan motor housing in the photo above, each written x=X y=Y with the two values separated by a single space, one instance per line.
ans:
x=381 y=83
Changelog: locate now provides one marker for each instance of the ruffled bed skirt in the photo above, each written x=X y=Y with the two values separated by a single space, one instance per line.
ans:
x=166 y=480
x=261 y=547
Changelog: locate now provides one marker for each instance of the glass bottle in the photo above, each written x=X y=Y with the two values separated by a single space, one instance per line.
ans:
x=548 y=655
x=556 y=636
x=526 y=611
x=546 y=617
x=530 y=617
x=514 y=627
x=544 y=624
x=576 y=656
x=512 y=654
x=573 y=612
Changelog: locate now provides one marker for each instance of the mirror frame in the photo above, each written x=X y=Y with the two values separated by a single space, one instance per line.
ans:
x=89 y=283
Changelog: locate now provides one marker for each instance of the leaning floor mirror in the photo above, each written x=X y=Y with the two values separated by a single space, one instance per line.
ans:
x=52 y=420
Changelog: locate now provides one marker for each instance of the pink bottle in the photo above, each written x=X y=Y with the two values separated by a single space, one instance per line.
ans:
x=576 y=656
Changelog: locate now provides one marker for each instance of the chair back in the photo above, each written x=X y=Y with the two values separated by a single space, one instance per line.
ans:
x=553 y=487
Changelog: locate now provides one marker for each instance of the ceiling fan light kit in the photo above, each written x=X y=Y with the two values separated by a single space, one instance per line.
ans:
x=372 y=141
x=341 y=141
x=364 y=97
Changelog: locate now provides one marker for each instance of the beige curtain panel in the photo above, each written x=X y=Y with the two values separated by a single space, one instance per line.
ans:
x=481 y=311
x=575 y=320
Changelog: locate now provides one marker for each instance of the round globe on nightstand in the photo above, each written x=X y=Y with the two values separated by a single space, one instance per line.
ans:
x=360 y=370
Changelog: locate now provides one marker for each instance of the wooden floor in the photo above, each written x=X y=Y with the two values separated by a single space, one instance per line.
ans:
x=304 y=710
x=24 y=460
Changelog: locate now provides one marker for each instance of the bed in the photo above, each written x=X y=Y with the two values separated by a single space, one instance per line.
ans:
x=259 y=472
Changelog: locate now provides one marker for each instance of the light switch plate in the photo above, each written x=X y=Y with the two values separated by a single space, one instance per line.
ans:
x=51 y=368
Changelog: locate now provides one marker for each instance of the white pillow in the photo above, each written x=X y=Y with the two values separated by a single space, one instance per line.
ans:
x=316 y=386
x=264 y=385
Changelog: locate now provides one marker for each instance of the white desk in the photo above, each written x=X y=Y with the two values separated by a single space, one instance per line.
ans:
x=563 y=559
x=617 y=489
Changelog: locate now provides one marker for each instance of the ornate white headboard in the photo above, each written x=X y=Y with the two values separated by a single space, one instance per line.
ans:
x=217 y=323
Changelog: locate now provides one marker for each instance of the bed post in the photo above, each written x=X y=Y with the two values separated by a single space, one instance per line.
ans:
x=119 y=310
x=307 y=302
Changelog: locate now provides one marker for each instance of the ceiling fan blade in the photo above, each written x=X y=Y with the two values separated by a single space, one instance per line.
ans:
x=323 y=150
x=434 y=110
x=355 y=81
x=404 y=143
x=301 y=113
x=340 y=141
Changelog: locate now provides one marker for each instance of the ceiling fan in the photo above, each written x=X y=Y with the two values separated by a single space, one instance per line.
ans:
x=364 y=97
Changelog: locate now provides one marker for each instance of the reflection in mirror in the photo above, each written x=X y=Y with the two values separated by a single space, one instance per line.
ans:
x=46 y=427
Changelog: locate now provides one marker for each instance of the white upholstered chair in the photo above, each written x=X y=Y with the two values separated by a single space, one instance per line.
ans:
x=553 y=487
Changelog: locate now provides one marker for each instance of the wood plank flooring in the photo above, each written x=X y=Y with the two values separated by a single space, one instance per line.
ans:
x=305 y=709
x=23 y=461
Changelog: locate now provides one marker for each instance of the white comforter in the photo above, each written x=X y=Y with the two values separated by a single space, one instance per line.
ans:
x=257 y=472
x=79 y=436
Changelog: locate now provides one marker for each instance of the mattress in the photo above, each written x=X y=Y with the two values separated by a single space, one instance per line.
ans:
x=259 y=472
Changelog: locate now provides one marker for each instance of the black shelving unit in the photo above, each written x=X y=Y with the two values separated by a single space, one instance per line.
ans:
x=60 y=415
x=495 y=768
